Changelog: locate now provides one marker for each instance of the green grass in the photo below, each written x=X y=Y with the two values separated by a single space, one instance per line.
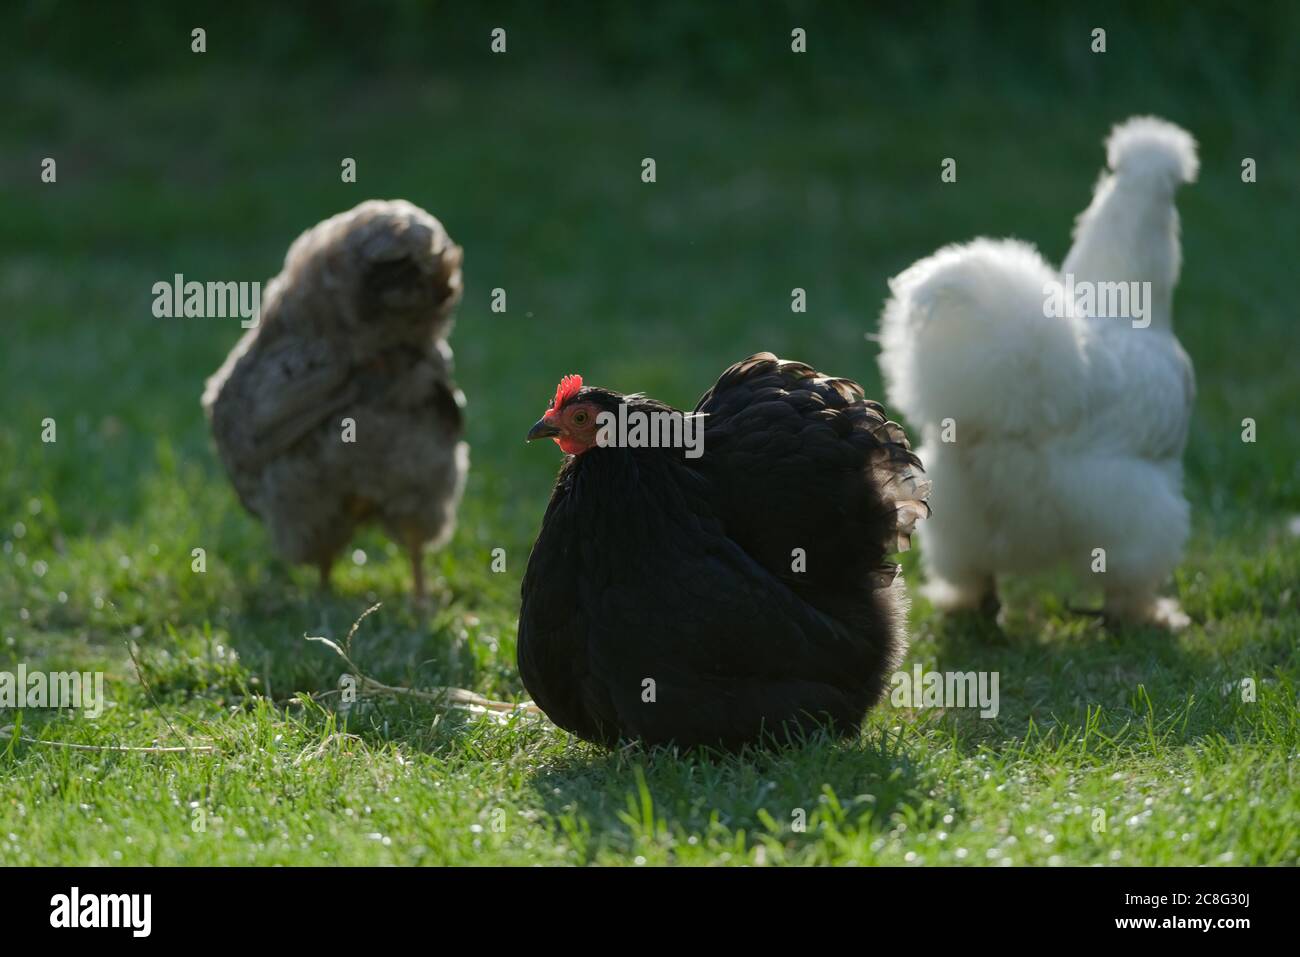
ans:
x=767 y=184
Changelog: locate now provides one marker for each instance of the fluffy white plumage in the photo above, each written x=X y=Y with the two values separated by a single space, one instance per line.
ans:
x=1067 y=432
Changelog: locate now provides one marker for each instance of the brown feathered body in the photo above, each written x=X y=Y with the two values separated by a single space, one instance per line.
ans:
x=338 y=407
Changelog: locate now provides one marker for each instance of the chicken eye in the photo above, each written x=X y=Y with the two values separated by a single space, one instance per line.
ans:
x=580 y=418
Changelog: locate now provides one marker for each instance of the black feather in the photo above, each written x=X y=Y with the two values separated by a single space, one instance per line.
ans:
x=660 y=602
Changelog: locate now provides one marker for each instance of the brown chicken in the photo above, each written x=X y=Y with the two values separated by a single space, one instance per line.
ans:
x=338 y=407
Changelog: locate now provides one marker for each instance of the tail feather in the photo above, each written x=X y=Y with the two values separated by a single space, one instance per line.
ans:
x=1130 y=230
x=801 y=458
x=1150 y=146
x=900 y=483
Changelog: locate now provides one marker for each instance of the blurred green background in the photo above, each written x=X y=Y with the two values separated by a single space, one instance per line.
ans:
x=775 y=170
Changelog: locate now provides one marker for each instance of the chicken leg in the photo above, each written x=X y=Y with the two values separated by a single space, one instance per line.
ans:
x=1140 y=605
x=416 y=552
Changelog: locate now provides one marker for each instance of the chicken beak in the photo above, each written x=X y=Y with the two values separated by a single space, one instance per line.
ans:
x=543 y=429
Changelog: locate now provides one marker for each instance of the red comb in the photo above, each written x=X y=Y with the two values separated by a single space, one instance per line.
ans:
x=566 y=390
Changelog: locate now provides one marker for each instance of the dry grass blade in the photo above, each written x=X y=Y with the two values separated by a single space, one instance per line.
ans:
x=7 y=731
x=443 y=696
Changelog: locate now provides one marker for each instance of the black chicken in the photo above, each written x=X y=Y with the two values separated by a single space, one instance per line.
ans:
x=739 y=596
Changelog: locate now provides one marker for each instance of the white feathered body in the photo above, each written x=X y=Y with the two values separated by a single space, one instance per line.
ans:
x=1048 y=437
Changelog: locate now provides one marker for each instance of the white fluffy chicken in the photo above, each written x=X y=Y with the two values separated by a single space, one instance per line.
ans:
x=1053 y=412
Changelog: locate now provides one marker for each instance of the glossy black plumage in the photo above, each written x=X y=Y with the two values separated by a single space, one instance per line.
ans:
x=651 y=566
